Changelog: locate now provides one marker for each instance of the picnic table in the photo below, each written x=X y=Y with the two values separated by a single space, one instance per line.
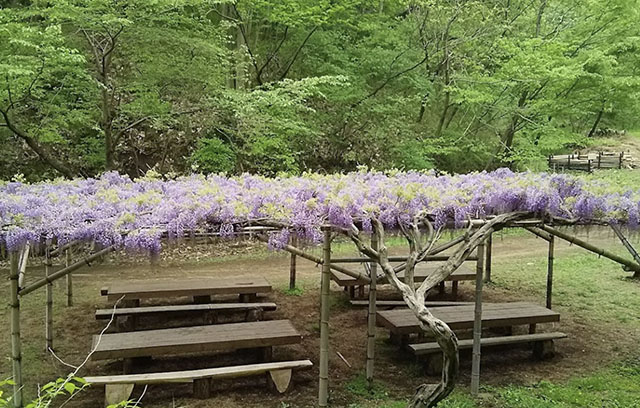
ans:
x=421 y=272
x=200 y=290
x=196 y=339
x=402 y=322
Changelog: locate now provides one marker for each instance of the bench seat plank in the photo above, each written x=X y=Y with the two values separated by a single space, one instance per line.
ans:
x=195 y=339
x=178 y=309
x=185 y=287
x=420 y=274
x=430 y=348
x=403 y=321
x=191 y=375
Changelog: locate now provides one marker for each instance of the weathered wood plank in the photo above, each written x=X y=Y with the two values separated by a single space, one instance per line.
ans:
x=191 y=375
x=403 y=321
x=186 y=287
x=421 y=272
x=429 y=348
x=184 y=309
x=195 y=339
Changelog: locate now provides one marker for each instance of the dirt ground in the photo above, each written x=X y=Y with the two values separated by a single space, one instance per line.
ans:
x=589 y=345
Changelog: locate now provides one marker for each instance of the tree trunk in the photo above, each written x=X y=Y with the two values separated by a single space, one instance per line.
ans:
x=597 y=122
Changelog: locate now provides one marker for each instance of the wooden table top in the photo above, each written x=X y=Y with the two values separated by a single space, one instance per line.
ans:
x=185 y=287
x=198 y=339
x=403 y=321
x=420 y=274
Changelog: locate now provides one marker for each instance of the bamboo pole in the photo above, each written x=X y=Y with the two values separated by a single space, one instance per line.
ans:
x=477 y=325
x=371 y=317
x=539 y=233
x=49 y=308
x=627 y=245
x=550 y=271
x=292 y=263
x=65 y=271
x=590 y=247
x=323 y=392
x=16 y=352
x=67 y=261
x=487 y=270
x=24 y=258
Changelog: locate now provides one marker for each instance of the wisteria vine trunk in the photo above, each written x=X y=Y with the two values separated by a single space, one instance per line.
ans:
x=428 y=395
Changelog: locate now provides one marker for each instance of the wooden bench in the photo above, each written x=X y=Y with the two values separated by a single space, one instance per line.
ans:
x=118 y=388
x=200 y=290
x=420 y=274
x=196 y=339
x=392 y=304
x=127 y=317
x=543 y=347
x=402 y=322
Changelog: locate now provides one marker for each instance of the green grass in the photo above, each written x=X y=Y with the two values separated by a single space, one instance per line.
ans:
x=585 y=285
x=615 y=387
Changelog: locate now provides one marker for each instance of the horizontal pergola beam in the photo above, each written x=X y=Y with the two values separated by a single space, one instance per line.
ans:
x=590 y=247
x=65 y=271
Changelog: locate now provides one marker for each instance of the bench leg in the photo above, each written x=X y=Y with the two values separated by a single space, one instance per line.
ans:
x=543 y=350
x=279 y=380
x=454 y=289
x=126 y=323
x=201 y=300
x=352 y=292
x=532 y=328
x=361 y=291
x=433 y=364
x=254 y=315
x=202 y=388
x=116 y=393
x=247 y=297
x=441 y=288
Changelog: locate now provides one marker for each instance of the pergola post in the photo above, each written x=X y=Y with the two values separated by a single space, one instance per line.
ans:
x=49 y=308
x=67 y=262
x=477 y=324
x=16 y=350
x=371 y=317
x=487 y=270
x=292 y=263
x=550 y=271
x=323 y=389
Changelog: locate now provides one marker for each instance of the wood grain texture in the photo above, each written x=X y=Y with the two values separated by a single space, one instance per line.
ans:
x=429 y=348
x=197 y=339
x=403 y=321
x=185 y=287
x=422 y=270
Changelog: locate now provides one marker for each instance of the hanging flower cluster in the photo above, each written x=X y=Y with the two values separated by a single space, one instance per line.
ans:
x=114 y=209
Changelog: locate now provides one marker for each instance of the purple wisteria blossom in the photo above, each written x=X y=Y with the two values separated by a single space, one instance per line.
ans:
x=114 y=209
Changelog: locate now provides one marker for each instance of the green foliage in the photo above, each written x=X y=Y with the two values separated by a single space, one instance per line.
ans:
x=213 y=156
x=296 y=85
x=297 y=291
x=360 y=387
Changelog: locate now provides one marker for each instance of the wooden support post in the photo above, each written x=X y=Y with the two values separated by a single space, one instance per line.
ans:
x=67 y=262
x=477 y=325
x=371 y=317
x=49 y=309
x=292 y=263
x=323 y=393
x=487 y=270
x=16 y=349
x=550 y=271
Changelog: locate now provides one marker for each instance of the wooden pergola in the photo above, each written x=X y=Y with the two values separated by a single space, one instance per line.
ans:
x=543 y=229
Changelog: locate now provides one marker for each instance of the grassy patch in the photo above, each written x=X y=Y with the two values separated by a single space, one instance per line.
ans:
x=359 y=386
x=297 y=291
x=590 y=287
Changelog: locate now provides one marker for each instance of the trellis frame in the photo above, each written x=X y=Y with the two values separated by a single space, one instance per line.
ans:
x=541 y=228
